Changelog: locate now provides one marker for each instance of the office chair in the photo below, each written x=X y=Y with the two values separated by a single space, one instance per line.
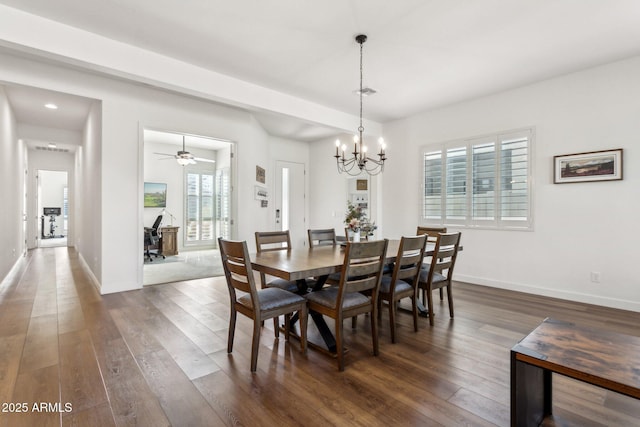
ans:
x=152 y=238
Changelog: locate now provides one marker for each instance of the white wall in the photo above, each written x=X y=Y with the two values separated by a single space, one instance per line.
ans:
x=578 y=228
x=13 y=164
x=330 y=190
x=87 y=224
x=110 y=162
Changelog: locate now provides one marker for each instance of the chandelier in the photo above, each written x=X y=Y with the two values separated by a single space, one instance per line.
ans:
x=358 y=160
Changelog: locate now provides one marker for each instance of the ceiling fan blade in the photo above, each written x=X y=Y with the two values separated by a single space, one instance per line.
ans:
x=200 y=159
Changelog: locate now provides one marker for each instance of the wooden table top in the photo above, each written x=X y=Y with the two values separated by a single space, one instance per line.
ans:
x=597 y=357
x=309 y=262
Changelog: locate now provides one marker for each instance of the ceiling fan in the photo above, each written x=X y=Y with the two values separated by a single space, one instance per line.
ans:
x=183 y=157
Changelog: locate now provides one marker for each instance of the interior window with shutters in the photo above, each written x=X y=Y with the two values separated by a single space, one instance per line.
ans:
x=223 y=203
x=479 y=182
x=200 y=208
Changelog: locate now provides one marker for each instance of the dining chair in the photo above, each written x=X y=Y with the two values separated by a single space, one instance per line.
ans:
x=257 y=304
x=276 y=241
x=432 y=235
x=361 y=272
x=322 y=237
x=440 y=271
x=431 y=232
x=403 y=280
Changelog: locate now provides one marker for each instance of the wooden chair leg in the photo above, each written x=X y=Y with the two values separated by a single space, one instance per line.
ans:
x=414 y=309
x=441 y=295
x=287 y=326
x=450 y=299
x=374 y=330
x=276 y=326
x=430 y=304
x=354 y=322
x=339 y=349
x=255 y=344
x=303 y=315
x=392 y=320
x=232 y=330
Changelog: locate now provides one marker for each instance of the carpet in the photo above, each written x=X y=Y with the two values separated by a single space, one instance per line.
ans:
x=187 y=265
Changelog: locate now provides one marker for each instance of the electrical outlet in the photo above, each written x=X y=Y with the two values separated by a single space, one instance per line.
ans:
x=595 y=276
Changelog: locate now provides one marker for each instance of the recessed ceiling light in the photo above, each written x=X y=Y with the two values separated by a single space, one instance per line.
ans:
x=51 y=145
x=51 y=106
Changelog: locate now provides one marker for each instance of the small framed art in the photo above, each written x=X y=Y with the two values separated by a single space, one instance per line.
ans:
x=603 y=165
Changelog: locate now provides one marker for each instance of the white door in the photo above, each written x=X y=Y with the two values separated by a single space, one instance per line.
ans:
x=290 y=201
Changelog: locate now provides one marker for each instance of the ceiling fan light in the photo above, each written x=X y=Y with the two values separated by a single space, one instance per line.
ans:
x=183 y=162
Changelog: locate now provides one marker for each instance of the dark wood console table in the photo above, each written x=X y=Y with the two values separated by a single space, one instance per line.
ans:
x=605 y=359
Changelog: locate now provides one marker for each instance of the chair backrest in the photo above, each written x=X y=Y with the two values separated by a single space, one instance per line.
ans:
x=322 y=237
x=157 y=222
x=409 y=259
x=445 y=254
x=362 y=268
x=431 y=232
x=237 y=269
x=273 y=241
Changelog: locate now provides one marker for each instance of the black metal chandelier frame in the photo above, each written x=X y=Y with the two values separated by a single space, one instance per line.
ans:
x=359 y=161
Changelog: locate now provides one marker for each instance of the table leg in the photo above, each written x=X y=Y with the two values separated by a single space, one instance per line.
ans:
x=530 y=393
x=318 y=319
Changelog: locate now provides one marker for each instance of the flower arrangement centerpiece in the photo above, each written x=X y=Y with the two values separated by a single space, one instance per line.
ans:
x=356 y=220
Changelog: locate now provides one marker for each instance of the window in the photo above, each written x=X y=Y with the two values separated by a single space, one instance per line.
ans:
x=484 y=182
x=223 y=203
x=199 y=194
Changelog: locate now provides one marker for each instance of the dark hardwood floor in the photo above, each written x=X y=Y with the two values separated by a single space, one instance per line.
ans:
x=158 y=357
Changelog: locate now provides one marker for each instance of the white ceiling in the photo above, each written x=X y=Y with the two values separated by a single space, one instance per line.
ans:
x=420 y=54
x=28 y=104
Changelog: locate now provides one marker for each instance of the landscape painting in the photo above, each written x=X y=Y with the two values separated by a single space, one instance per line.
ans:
x=592 y=166
x=155 y=195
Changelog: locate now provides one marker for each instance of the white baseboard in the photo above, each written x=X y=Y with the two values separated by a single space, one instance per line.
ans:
x=92 y=278
x=13 y=271
x=553 y=293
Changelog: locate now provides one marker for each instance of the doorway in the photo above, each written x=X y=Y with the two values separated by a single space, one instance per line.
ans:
x=195 y=207
x=290 y=201
x=53 y=208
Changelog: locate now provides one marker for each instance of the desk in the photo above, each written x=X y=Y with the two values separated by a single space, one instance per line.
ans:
x=596 y=357
x=169 y=240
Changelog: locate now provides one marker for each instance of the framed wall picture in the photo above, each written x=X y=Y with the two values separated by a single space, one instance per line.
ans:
x=260 y=193
x=260 y=175
x=361 y=184
x=587 y=167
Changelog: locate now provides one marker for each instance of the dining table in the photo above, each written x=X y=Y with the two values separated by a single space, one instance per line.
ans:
x=316 y=262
